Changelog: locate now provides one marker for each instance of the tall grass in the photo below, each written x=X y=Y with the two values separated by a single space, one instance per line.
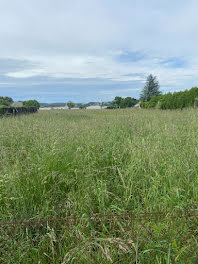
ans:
x=62 y=163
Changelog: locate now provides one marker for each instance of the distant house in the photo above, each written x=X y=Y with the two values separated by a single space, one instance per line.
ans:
x=45 y=108
x=59 y=107
x=96 y=107
x=17 y=104
x=54 y=108
x=137 y=106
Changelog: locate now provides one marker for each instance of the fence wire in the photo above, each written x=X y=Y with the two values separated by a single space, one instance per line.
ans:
x=156 y=237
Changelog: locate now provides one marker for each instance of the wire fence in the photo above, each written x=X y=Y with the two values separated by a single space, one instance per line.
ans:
x=156 y=237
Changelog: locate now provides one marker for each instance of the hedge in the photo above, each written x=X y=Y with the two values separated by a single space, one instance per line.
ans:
x=176 y=100
x=17 y=110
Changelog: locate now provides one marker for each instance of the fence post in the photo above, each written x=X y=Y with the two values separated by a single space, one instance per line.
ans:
x=136 y=252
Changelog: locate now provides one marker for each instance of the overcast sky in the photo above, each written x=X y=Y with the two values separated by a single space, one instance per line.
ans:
x=87 y=50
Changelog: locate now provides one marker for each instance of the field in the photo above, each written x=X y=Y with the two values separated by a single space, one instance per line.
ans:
x=56 y=164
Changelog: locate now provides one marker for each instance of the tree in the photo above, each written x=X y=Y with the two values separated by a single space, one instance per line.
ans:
x=151 y=88
x=120 y=102
x=82 y=106
x=5 y=101
x=31 y=103
x=117 y=101
x=70 y=104
x=176 y=100
x=128 y=102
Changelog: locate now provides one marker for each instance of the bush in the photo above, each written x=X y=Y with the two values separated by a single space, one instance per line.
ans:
x=177 y=100
x=120 y=102
x=17 y=110
x=5 y=101
x=31 y=103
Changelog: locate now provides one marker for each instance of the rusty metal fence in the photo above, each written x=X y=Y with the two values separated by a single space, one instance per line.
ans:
x=157 y=237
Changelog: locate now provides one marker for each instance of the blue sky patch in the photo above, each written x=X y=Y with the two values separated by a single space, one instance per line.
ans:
x=174 y=63
x=129 y=56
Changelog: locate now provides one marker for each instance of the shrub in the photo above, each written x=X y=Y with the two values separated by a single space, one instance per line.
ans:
x=31 y=103
x=176 y=100
x=17 y=110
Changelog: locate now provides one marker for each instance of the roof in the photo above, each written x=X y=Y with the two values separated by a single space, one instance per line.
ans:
x=53 y=108
x=17 y=104
x=96 y=107
x=137 y=106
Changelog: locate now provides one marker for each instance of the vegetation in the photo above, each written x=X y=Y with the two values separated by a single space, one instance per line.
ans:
x=82 y=106
x=177 y=100
x=62 y=163
x=32 y=103
x=120 y=102
x=150 y=89
x=85 y=105
x=70 y=105
x=12 y=111
x=6 y=107
x=5 y=101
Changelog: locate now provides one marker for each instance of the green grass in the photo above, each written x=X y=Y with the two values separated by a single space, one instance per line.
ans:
x=62 y=163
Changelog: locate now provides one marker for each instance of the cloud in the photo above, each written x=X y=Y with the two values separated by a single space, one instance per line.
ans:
x=128 y=56
x=80 y=67
x=174 y=63
x=102 y=44
x=9 y=64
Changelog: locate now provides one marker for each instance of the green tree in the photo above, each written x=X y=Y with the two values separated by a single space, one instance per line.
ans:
x=6 y=100
x=196 y=103
x=153 y=103
x=120 y=102
x=70 y=104
x=128 y=102
x=117 y=101
x=82 y=106
x=176 y=100
x=151 y=88
x=31 y=103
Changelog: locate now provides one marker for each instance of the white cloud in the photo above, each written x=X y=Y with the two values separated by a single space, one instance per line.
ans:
x=25 y=73
x=118 y=91
x=107 y=67
x=92 y=26
x=82 y=39
x=77 y=67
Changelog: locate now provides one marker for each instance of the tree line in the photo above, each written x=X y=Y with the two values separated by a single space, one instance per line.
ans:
x=8 y=101
x=151 y=97
x=150 y=89
x=120 y=102
x=176 y=100
x=7 y=106
x=5 y=101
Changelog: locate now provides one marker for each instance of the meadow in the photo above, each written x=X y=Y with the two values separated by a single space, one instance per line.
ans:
x=62 y=163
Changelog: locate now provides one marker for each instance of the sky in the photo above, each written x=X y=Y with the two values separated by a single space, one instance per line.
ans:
x=92 y=50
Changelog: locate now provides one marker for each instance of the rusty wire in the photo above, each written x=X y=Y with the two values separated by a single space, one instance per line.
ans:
x=109 y=238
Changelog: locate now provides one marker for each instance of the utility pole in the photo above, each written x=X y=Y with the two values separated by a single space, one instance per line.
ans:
x=100 y=104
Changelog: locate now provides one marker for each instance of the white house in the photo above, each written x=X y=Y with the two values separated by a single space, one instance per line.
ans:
x=17 y=104
x=96 y=107
x=54 y=108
